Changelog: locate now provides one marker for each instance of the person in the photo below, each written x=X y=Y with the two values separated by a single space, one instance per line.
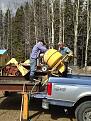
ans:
x=65 y=51
x=37 y=49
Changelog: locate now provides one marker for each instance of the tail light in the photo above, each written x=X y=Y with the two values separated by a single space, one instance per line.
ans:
x=49 y=89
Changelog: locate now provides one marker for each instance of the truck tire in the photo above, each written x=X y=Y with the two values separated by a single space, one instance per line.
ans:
x=83 y=111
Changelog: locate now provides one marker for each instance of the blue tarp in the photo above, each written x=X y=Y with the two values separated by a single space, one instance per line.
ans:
x=3 y=51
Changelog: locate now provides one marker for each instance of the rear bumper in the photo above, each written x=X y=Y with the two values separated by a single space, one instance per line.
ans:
x=47 y=101
x=60 y=102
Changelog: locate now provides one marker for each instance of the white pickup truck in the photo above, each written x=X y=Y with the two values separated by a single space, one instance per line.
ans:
x=72 y=91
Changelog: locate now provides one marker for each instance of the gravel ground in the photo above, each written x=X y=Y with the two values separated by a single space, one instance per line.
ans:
x=10 y=110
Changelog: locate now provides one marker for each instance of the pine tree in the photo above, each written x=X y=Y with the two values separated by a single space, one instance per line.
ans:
x=18 y=35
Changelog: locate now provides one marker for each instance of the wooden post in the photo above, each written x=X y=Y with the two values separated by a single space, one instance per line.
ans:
x=25 y=107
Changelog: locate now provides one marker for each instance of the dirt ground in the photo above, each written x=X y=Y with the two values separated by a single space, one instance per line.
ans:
x=10 y=110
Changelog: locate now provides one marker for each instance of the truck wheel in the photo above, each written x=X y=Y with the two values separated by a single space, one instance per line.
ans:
x=83 y=111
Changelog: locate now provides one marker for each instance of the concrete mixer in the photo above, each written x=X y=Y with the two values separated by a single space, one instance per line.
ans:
x=55 y=60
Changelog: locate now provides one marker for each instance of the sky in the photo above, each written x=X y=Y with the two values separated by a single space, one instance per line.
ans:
x=12 y=4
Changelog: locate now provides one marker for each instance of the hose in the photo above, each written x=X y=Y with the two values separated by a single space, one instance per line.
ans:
x=34 y=86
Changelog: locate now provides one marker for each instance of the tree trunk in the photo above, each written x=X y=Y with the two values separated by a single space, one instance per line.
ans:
x=8 y=32
x=3 y=34
x=63 y=22
x=88 y=29
x=76 y=33
x=11 y=37
x=60 y=24
x=52 y=10
x=48 y=24
x=25 y=31
x=35 y=24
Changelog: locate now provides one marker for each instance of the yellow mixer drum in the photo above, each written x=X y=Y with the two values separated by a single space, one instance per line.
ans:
x=52 y=57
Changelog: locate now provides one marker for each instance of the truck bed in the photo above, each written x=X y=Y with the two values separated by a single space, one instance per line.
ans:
x=72 y=79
